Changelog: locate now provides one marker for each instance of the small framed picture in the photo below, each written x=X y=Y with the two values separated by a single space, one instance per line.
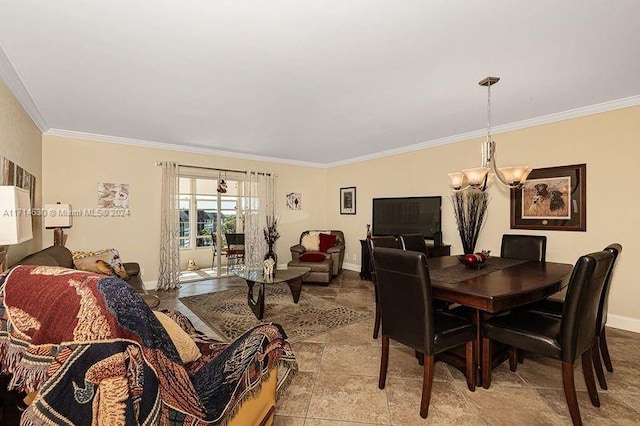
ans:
x=553 y=198
x=348 y=200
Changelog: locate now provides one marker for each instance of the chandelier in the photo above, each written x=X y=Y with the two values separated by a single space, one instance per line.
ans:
x=478 y=178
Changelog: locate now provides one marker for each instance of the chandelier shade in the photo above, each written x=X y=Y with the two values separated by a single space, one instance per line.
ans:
x=478 y=177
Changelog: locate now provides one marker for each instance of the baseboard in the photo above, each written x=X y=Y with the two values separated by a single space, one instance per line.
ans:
x=351 y=267
x=623 y=323
x=150 y=285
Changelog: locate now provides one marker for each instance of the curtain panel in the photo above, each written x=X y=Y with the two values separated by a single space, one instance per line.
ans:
x=169 y=228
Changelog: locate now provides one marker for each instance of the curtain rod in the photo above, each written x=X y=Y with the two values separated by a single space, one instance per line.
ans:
x=159 y=163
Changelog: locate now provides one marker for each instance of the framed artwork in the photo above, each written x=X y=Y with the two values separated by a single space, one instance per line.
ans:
x=294 y=201
x=348 y=200
x=113 y=195
x=7 y=171
x=552 y=198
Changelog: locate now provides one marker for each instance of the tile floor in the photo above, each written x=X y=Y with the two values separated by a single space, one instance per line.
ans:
x=338 y=379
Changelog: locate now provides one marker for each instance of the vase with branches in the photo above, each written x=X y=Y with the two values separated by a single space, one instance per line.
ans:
x=271 y=234
x=470 y=208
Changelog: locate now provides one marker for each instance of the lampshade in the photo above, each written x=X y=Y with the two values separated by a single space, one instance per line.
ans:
x=58 y=216
x=15 y=215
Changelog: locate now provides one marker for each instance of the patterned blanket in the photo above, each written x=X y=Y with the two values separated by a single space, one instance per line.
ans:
x=96 y=354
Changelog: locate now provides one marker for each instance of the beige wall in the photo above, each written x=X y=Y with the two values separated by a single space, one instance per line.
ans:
x=73 y=167
x=21 y=142
x=608 y=143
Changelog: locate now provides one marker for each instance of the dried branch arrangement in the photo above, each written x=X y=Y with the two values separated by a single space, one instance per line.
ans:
x=470 y=208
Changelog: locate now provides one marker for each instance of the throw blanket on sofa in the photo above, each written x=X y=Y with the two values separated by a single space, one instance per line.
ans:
x=96 y=354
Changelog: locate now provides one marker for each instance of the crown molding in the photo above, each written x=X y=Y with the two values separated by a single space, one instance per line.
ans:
x=546 y=119
x=16 y=86
x=175 y=147
x=518 y=125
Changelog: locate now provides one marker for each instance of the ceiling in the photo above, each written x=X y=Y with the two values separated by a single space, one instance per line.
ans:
x=322 y=82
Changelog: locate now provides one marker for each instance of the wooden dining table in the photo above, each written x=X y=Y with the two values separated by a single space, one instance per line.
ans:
x=499 y=285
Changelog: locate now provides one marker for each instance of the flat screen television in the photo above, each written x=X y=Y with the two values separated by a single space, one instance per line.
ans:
x=408 y=215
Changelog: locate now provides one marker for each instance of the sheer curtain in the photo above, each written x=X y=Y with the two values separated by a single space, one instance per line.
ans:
x=169 y=228
x=259 y=202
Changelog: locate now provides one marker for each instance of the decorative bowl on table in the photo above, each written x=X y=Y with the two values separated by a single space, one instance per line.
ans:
x=473 y=260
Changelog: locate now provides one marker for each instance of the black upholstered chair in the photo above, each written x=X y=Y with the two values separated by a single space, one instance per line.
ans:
x=409 y=317
x=555 y=307
x=525 y=247
x=413 y=242
x=389 y=242
x=565 y=338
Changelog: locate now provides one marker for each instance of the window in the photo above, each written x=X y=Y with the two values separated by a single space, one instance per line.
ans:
x=203 y=210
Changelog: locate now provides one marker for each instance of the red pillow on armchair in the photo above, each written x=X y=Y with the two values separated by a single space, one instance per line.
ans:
x=327 y=241
x=313 y=257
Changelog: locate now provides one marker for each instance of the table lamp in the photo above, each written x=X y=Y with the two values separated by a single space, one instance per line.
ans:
x=58 y=216
x=15 y=219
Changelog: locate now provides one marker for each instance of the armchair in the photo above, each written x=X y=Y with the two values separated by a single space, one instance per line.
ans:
x=310 y=250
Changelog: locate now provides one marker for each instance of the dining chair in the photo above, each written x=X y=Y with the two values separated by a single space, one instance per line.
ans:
x=235 y=249
x=413 y=242
x=373 y=242
x=409 y=317
x=525 y=247
x=564 y=338
x=600 y=347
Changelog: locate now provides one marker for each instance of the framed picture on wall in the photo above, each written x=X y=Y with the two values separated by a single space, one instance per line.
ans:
x=552 y=198
x=348 y=200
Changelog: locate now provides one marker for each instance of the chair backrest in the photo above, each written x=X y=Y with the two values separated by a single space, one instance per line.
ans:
x=525 y=247
x=339 y=234
x=373 y=242
x=578 y=324
x=413 y=242
x=234 y=239
x=404 y=288
x=615 y=250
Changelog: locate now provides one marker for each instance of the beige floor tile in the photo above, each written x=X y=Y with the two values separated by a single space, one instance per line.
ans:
x=500 y=376
x=542 y=372
x=361 y=360
x=611 y=411
x=349 y=398
x=448 y=406
x=403 y=363
x=322 y=422
x=631 y=400
x=625 y=378
x=295 y=399
x=360 y=333
x=288 y=421
x=357 y=299
x=308 y=355
x=623 y=349
x=513 y=406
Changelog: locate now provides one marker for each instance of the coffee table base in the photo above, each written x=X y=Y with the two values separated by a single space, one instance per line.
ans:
x=257 y=305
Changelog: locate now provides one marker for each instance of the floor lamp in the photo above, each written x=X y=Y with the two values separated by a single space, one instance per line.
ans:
x=15 y=219
x=58 y=216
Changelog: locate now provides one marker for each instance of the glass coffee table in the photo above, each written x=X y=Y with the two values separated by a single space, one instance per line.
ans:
x=292 y=276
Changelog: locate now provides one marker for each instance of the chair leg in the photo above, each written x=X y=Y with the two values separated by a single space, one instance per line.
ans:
x=597 y=365
x=420 y=357
x=587 y=371
x=470 y=366
x=520 y=356
x=604 y=349
x=376 y=324
x=513 y=358
x=486 y=362
x=427 y=382
x=384 y=361
x=570 y=393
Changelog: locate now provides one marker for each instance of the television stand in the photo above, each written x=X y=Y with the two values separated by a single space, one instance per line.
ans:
x=365 y=258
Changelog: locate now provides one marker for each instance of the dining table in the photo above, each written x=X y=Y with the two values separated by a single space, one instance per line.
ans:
x=499 y=284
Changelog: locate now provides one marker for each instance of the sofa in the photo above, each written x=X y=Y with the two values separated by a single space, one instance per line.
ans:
x=100 y=355
x=324 y=262
x=61 y=256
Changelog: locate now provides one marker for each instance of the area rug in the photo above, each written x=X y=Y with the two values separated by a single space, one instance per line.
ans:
x=228 y=313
